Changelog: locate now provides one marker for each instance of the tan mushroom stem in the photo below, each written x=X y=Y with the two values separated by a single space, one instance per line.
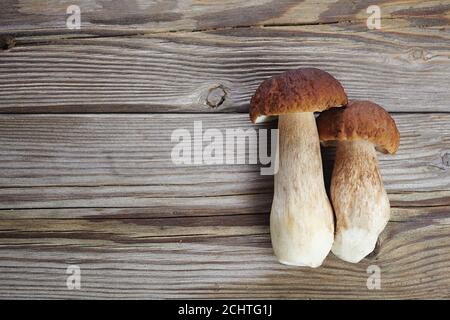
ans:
x=359 y=199
x=301 y=220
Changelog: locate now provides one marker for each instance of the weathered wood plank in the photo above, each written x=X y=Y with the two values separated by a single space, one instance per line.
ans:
x=173 y=15
x=140 y=226
x=216 y=256
x=243 y=207
x=157 y=236
x=54 y=161
x=100 y=191
x=404 y=68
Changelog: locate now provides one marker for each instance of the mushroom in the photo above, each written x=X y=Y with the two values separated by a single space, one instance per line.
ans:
x=301 y=219
x=358 y=196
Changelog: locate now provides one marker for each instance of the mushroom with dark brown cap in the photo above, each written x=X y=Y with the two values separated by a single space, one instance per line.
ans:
x=359 y=199
x=301 y=219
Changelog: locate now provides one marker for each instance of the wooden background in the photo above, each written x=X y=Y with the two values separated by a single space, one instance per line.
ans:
x=85 y=123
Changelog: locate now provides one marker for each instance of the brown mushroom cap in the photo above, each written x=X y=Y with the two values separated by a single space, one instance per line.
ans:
x=300 y=90
x=360 y=120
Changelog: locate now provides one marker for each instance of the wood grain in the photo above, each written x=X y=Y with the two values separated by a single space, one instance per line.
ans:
x=174 y=15
x=217 y=256
x=402 y=68
x=99 y=191
x=125 y=160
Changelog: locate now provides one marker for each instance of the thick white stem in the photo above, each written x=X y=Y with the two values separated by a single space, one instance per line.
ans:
x=360 y=202
x=301 y=221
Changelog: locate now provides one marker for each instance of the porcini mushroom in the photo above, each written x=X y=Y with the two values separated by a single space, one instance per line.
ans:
x=360 y=202
x=301 y=219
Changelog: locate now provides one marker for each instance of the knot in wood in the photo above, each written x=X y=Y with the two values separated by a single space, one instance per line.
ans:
x=7 y=42
x=419 y=54
x=216 y=96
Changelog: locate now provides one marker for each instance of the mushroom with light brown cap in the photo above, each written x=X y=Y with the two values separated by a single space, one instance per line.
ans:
x=301 y=219
x=360 y=202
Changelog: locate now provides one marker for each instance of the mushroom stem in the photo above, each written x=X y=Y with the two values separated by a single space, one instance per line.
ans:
x=301 y=220
x=360 y=202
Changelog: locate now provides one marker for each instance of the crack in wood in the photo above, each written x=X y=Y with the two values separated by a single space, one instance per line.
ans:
x=96 y=33
x=446 y=159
